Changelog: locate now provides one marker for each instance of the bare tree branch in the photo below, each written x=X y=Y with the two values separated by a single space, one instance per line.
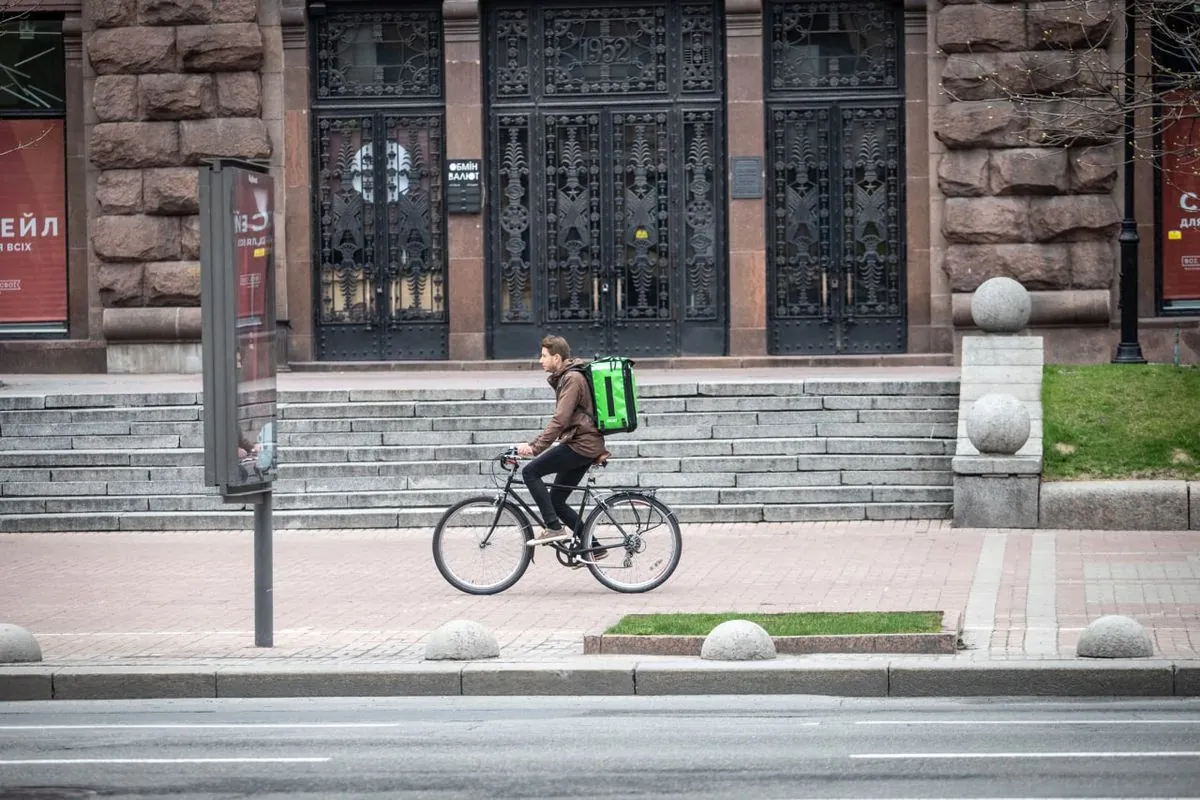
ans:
x=12 y=13
x=1073 y=93
x=29 y=143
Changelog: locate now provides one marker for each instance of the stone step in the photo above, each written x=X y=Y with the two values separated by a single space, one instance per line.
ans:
x=241 y=518
x=77 y=466
x=534 y=388
x=322 y=479
x=721 y=450
x=341 y=415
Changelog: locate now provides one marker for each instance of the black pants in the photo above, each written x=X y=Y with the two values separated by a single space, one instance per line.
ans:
x=570 y=468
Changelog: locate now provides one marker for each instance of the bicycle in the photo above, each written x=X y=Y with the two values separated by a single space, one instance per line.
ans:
x=625 y=524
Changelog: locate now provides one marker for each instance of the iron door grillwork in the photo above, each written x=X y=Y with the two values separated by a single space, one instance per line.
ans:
x=607 y=223
x=835 y=252
x=378 y=190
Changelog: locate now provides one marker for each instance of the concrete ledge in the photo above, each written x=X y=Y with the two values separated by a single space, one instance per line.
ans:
x=1033 y=678
x=404 y=680
x=1053 y=307
x=997 y=465
x=905 y=676
x=547 y=679
x=151 y=324
x=133 y=683
x=26 y=683
x=1114 y=505
x=784 y=676
x=1187 y=679
x=154 y=357
x=52 y=356
x=943 y=643
x=995 y=501
x=1194 y=505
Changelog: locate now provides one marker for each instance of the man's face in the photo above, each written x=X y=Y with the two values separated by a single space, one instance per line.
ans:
x=550 y=363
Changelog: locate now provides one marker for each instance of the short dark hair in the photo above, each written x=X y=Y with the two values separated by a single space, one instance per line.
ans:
x=557 y=346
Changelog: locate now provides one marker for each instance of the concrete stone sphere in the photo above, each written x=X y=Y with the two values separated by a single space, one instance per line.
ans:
x=1115 y=636
x=998 y=423
x=17 y=645
x=738 y=640
x=1000 y=305
x=461 y=640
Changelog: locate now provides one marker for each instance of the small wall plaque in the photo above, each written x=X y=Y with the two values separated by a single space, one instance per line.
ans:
x=464 y=186
x=747 y=178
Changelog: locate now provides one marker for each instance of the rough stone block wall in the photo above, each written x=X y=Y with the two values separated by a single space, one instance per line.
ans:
x=1030 y=135
x=175 y=82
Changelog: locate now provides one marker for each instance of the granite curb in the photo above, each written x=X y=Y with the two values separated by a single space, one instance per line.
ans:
x=910 y=676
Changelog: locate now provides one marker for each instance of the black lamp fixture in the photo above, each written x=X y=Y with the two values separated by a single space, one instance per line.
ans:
x=1129 y=351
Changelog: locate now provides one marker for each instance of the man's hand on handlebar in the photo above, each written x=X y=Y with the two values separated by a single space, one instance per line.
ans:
x=524 y=449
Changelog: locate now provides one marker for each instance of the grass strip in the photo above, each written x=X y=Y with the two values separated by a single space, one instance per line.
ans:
x=1111 y=421
x=794 y=624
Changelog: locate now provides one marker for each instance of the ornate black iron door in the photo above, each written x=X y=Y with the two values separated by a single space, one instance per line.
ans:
x=607 y=223
x=835 y=138
x=380 y=247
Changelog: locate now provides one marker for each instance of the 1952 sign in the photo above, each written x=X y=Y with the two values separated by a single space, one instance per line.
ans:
x=464 y=186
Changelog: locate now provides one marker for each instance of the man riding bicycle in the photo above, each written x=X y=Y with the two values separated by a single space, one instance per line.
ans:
x=580 y=443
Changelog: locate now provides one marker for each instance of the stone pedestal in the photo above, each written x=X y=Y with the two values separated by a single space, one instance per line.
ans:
x=987 y=499
x=995 y=490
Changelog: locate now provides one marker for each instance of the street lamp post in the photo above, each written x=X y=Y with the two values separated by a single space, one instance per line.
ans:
x=1129 y=351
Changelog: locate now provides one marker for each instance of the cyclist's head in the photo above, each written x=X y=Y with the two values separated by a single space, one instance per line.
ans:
x=555 y=351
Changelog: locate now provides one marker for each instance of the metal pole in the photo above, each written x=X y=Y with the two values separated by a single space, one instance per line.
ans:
x=1129 y=351
x=264 y=605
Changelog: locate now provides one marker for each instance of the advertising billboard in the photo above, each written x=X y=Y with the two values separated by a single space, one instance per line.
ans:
x=254 y=325
x=238 y=309
x=1180 y=230
x=33 y=210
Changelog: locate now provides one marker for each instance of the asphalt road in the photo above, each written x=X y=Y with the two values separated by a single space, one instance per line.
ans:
x=718 y=747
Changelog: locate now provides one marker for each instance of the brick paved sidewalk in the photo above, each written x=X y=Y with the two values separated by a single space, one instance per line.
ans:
x=373 y=596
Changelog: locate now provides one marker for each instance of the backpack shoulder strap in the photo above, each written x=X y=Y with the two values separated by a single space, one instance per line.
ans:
x=588 y=402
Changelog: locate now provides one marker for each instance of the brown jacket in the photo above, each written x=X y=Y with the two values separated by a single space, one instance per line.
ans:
x=572 y=422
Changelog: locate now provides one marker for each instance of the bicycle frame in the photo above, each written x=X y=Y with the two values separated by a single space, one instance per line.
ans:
x=588 y=492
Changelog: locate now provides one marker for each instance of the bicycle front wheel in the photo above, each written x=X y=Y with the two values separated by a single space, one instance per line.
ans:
x=640 y=540
x=479 y=545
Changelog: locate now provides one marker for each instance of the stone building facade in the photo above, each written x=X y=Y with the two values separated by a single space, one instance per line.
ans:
x=757 y=179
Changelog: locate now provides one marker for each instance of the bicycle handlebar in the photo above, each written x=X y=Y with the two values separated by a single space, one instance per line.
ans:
x=508 y=459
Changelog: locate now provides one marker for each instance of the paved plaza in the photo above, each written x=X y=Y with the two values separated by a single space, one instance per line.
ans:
x=373 y=597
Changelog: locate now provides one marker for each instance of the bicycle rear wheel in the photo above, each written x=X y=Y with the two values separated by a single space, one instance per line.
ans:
x=479 y=545
x=641 y=540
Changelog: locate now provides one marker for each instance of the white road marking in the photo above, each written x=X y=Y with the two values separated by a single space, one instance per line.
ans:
x=1029 y=722
x=25 y=762
x=1080 y=754
x=201 y=725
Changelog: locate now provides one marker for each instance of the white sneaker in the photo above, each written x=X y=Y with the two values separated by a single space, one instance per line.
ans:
x=549 y=535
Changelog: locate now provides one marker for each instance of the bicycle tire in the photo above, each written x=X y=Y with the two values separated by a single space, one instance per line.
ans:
x=480 y=513
x=645 y=515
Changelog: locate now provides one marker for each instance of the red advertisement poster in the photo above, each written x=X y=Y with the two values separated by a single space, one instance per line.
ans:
x=254 y=232
x=33 y=210
x=1181 y=205
x=254 y=241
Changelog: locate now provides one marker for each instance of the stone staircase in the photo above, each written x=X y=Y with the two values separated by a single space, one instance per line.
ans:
x=737 y=451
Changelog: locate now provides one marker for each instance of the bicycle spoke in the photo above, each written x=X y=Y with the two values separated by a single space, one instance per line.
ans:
x=641 y=541
x=479 y=546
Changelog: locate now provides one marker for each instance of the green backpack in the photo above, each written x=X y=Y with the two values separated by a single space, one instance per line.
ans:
x=614 y=393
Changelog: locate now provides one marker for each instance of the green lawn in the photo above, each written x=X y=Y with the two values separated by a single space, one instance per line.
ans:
x=812 y=624
x=1121 y=421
